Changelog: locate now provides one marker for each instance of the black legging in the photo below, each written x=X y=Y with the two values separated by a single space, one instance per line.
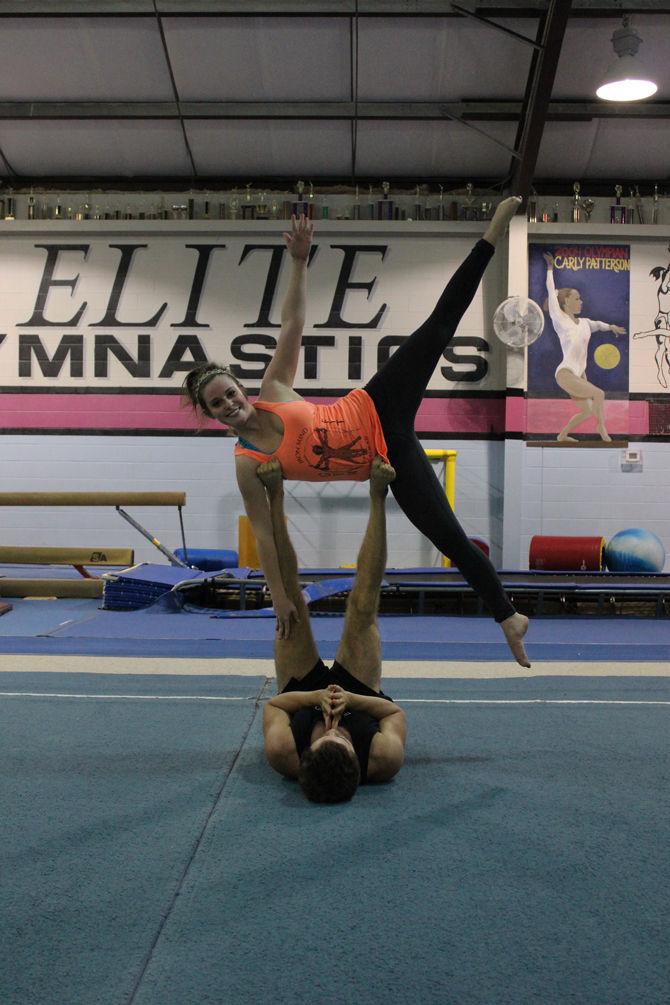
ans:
x=397 y=390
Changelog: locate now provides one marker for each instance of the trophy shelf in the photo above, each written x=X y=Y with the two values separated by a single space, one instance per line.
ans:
x=612 y=231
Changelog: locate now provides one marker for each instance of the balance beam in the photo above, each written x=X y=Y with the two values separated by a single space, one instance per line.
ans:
x=92 y=498
x=116 y=499
x=10 y=555
x=51 y=587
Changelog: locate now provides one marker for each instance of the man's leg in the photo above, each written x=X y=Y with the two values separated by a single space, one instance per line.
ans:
x=359 y=650
x=295 y=656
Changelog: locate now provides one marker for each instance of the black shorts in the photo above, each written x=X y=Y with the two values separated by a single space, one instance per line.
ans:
x=321 y=676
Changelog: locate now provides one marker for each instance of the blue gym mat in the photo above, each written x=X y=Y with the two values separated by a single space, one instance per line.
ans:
x=152 y=632
x=519 y=856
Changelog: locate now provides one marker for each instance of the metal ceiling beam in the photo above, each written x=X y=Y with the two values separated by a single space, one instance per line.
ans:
x=314 y=8
x=464 y=111
x=538 y=96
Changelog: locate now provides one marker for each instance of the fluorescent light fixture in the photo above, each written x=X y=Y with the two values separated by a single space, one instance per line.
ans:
x=626 y=79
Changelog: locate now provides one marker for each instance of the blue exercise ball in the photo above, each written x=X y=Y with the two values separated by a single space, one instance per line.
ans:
x=635 y=550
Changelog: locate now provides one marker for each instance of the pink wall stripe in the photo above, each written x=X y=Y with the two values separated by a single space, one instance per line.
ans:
x=164 y=413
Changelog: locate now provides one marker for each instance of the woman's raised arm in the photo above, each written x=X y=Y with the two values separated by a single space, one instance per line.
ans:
x=279 y=377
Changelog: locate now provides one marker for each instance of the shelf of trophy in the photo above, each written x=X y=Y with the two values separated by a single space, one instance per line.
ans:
x=611 y=231
x=365 y=228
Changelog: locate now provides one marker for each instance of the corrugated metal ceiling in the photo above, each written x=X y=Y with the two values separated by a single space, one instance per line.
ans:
x=215 y=92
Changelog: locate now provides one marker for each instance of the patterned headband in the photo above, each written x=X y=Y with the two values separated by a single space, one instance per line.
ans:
x=204 y=378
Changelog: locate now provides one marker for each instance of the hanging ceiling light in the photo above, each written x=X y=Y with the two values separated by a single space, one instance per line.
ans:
x=626 y=79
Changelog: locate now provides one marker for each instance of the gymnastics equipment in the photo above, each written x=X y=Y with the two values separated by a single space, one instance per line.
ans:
x=78 y=558
x=635 y=550
x=449 y=458
x=246 y=544
x=208 y=559
x=86 y=586
x=518 y=322
x=566 y=554
x=5 y=608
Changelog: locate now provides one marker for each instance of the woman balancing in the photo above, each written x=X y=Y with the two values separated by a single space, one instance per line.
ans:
x=340 y=441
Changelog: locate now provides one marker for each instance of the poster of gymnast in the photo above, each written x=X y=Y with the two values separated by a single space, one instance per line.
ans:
x=578 y=372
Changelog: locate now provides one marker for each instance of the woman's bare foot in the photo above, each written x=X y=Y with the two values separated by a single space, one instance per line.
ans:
x=381 y=474
x=604 y=435
x=272 y=476
x=515 y=627
x=564 y=438
x=505 y=210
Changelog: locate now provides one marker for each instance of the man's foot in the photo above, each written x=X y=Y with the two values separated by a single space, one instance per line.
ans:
x=271 y=475
x=505 y=210
x=381 y=474
x=515 y=627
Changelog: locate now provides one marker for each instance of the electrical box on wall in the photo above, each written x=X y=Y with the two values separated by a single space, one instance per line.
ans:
x=631 y=460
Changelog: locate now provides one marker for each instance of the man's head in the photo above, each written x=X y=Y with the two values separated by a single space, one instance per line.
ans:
x=329 y=770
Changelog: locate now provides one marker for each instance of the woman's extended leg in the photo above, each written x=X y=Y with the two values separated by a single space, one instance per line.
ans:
x=422 y=499
x=398 y=387
x=397 y=390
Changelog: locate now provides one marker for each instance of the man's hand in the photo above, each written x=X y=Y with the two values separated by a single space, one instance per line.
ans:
x=339 y=701
x=299 y=240
x=286 y=615
x=326 y=702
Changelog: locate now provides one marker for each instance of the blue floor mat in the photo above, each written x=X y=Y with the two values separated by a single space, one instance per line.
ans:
x=152 y=632
x=520 y=855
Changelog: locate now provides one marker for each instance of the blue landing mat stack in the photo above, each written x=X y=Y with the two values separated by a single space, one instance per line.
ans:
x=143 y=585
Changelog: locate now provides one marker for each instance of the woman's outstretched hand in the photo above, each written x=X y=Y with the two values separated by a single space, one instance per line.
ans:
x=617 y=330
x=299 y=240
x=549 y=259
x=286 y=614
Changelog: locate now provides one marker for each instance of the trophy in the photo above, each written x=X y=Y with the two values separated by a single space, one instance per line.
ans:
x=311 y=203
x=469 y=211
x=262 y=209
x=385 y=205
x=356 y=208
x=576 y=204
x=300 y=206
x=532 y=211
x=654 y=212
x=248 y=206
x=588 y=205
x=417 y=209
x=441 y=215
x=617 y=211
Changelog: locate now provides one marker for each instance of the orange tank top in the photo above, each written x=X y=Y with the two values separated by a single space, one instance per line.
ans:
x=335 y=442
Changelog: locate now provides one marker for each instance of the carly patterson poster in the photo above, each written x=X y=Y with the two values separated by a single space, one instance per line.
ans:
x=578 y=369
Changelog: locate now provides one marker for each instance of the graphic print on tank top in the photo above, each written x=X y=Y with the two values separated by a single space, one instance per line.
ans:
x=337 y=449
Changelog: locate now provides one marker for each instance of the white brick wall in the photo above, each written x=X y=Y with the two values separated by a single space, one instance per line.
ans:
x=326 y=521
x=581 y=492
